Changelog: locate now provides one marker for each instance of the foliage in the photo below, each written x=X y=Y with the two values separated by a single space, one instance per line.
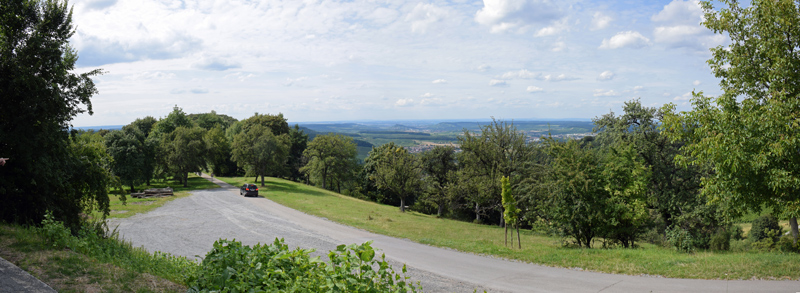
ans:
x=260 y=151
x=720 y=241
x=750 y=134
x=40 y=96
x=399 y=172
x=184 y=151
x=218 y=153
x=763 y=227
x=330 y=158
x=681 y=239
x=212 y=120
x=298 y=142
x=127 y=148
x=438 y=165
x=176 y=118
x=673 y=190
x=499 y=150
x=233 y=267
x=510 y=210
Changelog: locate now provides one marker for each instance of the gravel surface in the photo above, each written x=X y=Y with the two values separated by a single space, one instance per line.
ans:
x=189 y=226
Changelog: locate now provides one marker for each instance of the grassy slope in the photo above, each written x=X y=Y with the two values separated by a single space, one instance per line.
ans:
x=69 y=271
x=483 y=239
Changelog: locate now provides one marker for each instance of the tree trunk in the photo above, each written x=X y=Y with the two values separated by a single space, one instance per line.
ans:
x=186 y=179
x=793 y=225
x=477 y=214
x=519 y=242
x=262 y=180
x=506 y=238
x=134 y=190
x=402 y=205
x=439 y=212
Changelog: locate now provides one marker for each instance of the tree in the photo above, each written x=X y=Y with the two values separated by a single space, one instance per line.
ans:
x=127 y=149
x=329 y=156
x=438 y=164
x=260 y=151
x=750 y=134
x=219 y=152
x=40 y=96
x=500 y=150
x=184 y=151
x=176 y=118
x=399 y=172
x=149 y=145
x=673 y=190
x=298 y=144
x=211 y=120
x=510 y=211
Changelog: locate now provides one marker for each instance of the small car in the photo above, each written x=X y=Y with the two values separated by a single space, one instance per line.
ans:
x=249 y=190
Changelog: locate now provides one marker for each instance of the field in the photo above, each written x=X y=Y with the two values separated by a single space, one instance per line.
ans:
x=416 y=133
x=540 y=249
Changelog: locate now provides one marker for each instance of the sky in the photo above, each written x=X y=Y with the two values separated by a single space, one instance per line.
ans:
x=390 y=60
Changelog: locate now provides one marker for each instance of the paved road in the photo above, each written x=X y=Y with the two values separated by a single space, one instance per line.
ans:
x=13 y=279
x=190 y=225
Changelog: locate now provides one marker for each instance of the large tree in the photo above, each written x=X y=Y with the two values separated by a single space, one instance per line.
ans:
x=127 y=148
x=399 y=172
x=750 y=134
x=439 y=164
x=184 y=151
x=499 y=150
x=40 y=96
x=260 y=151
x=329 y=156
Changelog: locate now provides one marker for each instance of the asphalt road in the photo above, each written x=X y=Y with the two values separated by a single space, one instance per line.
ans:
x=189 y=226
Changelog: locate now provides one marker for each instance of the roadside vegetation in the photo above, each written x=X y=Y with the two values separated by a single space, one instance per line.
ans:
x=539 y=246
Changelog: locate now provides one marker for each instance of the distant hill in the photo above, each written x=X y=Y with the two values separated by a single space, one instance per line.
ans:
x=96 y=128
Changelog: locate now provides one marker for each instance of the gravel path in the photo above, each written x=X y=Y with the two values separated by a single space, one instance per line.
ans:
x=189 y=226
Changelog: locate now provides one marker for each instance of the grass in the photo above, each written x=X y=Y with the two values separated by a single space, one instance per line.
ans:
x=142 y=205
x=66 y=270
x=483 y=239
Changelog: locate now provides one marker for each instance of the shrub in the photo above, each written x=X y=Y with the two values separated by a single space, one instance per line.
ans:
x=786 y=244
x=233 y=267
x=654 y=237
x=768 y=242
x=721 y=240
x=736 y=232
x=762 y=227
x=681 y=239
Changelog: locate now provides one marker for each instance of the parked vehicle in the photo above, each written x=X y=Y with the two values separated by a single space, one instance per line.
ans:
x=248 y=190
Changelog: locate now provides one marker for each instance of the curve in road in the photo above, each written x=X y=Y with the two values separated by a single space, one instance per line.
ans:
x=189 y=226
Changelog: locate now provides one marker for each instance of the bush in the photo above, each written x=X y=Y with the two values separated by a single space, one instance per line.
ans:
x=786 y=244
x=681 y=239
x=654 y=237
x=762 y=228
x=721 y=240
x=736 y=232
x=233 y=267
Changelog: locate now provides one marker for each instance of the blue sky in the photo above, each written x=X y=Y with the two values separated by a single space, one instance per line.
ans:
x=382 y=60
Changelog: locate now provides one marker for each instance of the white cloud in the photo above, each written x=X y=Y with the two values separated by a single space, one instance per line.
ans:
x=606 y=75
x=150 y=75
x=555 y=28
x=638 y=88
x=684 y=97
x=503 y=15
x=680 y=27
x=293 y=81
x=560 y=77
x=484 y=68
x=425 y=15
x=404 y=102
x=426 y=95
x=439 y=81
x=600 y=21
x=696 y=82
x=605 y=93
x=215 y=64
x=627 y=39
x=534 y=89
x=559 y=46
x=497 y=82
x=522 y=73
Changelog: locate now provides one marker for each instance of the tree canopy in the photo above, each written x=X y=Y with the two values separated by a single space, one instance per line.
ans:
x=751 y=133
x=40 y=97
